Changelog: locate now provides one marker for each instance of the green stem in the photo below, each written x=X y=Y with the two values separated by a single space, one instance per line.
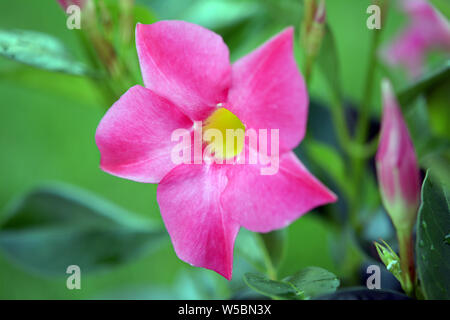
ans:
x=406 y=251
x=359 y=164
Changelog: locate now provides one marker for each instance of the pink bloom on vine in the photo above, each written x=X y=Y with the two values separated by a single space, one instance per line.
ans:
x=397 y=169
x=189 y=81
x=427 y=30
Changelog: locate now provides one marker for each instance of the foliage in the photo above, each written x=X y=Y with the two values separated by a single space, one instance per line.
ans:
x=57 y=83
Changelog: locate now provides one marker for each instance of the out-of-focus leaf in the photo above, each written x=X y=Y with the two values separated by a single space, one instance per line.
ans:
x=432 y=248
x=439 y=162
x=329 y=160
x=271 y=288
x=39 y=50
x=328 y=62
x=426 y=83
x=433 y=151
x=443 y=6
x=262 y=251
x=71 y=87
x=248 y=245
x=437 y=101
x=214 y=14
x=363 y=294
x=143 y=15
x=53 y=227
x=314 y=281
x=275 y=243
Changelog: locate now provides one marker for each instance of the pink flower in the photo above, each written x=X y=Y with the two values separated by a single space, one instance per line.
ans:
x=66 y=3
x=427 y=30
x=397 y=169
x=188 y=77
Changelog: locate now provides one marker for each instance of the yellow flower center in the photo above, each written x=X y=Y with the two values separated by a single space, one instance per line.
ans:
x=224 y=133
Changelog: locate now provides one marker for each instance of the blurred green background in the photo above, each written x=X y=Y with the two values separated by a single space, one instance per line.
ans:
x=48 y=121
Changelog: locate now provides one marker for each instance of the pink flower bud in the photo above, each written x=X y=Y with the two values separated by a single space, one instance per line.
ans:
x=397 y=169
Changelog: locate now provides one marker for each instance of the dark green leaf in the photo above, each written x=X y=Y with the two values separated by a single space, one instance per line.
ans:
x=363 y=294
x=314 y=281
x=53 y=227
x=328 y=159
x=39 y=50
x=274 y=243
x=432 y=249
x=271 y=288
x=426 y=83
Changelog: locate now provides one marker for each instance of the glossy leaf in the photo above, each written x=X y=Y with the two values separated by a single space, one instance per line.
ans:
x=305 y=284
x=314 y=281
x=433 y=230
x=53 y=227
x=271 y=288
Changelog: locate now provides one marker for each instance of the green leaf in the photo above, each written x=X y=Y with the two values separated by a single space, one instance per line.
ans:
x=328 y=62
x=423 y=85
x=443 y=6
x=305 y=284
x=215 y=14
x=53 y=227
x=328 y=159
x=439 y=161
x=274 y=243
x=264 y=251
x=271 y=288
x=248 y=245
x=39 y=50
x=314 y=281
x=432 y=248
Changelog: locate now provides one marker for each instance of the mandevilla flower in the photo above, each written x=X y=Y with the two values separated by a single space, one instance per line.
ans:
x=427 y=30
x=397 y=170
x=188 y=78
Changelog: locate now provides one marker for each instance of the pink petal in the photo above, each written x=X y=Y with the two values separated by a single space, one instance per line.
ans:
x=427 y=30
x=409 y=50
x=134 y=137
x=263 y=203
x=397 y=168
x=66 y=3
x=184 y=63
x=268 y=90
x=189 y=200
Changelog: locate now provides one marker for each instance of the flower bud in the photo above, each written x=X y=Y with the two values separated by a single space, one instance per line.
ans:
x=312 y=32
x=397 y=170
